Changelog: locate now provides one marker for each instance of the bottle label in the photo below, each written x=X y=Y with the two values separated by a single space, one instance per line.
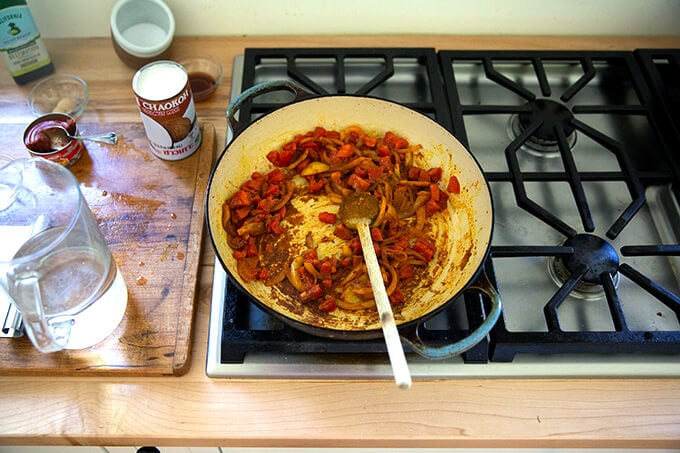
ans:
x=20 y=43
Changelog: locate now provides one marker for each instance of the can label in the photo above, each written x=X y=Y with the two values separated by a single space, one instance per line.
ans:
x=20 y=43
x=166 y=106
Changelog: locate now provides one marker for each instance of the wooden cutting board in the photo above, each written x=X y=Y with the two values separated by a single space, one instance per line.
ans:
x=151 y=212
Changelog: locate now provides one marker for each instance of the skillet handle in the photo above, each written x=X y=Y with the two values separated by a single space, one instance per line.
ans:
x=257 y=90
x=410 y=337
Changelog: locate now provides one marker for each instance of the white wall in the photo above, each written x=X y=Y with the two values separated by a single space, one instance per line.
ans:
x=84 y=18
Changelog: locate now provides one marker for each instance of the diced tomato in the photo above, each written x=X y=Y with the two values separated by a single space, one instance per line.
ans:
x=283 y=157
x=358 y=183
x=239 y=254
x=271 y=191
x=443 y=200
x=355 y=246
x=310 y=255
x=386 y=163
x=328 y=217
x=263 y=274
x=405 y=271
x=328 y=304
x=328 y=266
x=361 y=172
x=425 y=249
x=395 y=141
x=286 y=157
x=434 y=193
x=310 y=146
x=273 y=157
x=454 y=185
x=264 y=204
x=312 y=293
x=375 y=173
x=274 y=225
x=253 y=185
x=383 y=151
x=435 y=174
x=251 y=248
x=418 y=174
x=276 y=176
x=336 y=177
x=376 y=234
x=315 y=185
x=369 y=141
x=239 y=199
x=432 y=206
x=239 y=214
x=345 y=151
x=396 y=297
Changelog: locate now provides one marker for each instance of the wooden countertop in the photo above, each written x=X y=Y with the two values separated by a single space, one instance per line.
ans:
x=193 y=410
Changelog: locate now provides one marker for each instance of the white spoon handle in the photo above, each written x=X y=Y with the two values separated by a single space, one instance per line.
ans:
x=402 y=376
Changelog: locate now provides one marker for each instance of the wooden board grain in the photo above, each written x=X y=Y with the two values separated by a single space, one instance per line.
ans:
x=151 y=212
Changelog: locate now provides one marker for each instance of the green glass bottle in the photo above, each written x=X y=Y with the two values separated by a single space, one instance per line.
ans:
x=21 y=46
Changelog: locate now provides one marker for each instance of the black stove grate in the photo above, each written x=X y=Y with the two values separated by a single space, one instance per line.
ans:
x=547 y=114
x=409 y=76
x=662 y=69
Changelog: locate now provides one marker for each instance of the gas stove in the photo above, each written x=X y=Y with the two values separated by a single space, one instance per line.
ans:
x=581 y=153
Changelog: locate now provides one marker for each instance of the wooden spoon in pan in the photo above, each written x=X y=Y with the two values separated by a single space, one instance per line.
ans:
x=357 y=211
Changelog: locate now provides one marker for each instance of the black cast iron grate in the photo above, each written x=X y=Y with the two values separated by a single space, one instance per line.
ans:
x=661 y=67
x=548 y=116
x=409 y=76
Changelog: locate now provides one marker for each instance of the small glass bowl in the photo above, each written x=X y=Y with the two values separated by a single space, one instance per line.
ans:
x=205 y=76
x=63 y=93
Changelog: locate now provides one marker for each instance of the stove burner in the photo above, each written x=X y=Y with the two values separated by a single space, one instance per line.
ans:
x=544 y=141
x=597 y=254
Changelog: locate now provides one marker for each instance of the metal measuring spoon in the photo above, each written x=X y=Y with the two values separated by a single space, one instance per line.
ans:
x=58 y=134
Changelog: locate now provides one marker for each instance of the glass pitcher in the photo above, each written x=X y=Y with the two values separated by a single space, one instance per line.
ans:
x=55 y=265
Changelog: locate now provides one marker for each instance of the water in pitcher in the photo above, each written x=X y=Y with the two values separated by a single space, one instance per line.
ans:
x=82 y=292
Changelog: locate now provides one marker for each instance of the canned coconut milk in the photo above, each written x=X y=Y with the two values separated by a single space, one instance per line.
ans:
x=166 y=106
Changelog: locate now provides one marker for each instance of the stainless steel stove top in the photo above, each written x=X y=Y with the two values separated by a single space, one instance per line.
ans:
x=597 y=181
